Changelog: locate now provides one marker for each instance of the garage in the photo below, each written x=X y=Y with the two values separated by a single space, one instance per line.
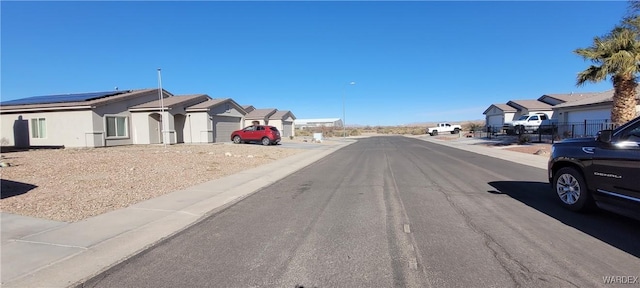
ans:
x=224 y=126
x=287 y=128
x=495 y=121
x=589 y=115
x=594 y=120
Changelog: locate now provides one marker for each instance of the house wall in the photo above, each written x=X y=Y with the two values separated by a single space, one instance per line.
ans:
x=284 y=124
x=200 y=127
x=247 y=122
x=226 y=110
x=276 y=123
x=579 y=114
x=63 y=128
x=145 y=128
x=494 y=118
x=121 y=108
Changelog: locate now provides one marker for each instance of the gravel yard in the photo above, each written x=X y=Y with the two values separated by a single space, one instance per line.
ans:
x=74 y=184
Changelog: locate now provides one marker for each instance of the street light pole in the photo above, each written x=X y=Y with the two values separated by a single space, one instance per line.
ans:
x=344 y=118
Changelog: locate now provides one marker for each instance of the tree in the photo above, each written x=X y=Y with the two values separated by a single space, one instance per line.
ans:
x=617 y=55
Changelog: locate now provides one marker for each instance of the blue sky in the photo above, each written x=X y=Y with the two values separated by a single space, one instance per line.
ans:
x=411 y=61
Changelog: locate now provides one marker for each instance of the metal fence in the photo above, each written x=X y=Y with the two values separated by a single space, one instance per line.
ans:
x=559 y=131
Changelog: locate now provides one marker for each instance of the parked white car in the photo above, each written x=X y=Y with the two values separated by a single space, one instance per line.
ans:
x=443 y=128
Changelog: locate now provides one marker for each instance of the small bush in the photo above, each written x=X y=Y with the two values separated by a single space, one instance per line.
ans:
x=354 y=132
x=523 y=139
x=303 y=132
x=418 y=131
x=473 y=126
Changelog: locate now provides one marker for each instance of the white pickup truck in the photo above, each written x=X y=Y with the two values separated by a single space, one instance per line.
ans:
x=532 y=122
x=444 y=127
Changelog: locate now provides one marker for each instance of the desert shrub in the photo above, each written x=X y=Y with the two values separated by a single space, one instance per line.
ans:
x=354 y=132
x=523 y=139
x=473 y=126
x=418 y=131
x=303 y=132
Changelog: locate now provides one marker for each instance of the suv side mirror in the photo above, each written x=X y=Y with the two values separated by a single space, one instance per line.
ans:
x=605 y=136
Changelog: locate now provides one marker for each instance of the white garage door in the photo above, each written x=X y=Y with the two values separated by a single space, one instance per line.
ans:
x=287 y=127
x=594 y=121
x=223 y=127
x=495 y=121
x=589 y=115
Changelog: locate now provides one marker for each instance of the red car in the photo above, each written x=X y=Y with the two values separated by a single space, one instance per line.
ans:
x=265 y=134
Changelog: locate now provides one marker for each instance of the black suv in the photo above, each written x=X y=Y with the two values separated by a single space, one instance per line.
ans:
x=602 y=171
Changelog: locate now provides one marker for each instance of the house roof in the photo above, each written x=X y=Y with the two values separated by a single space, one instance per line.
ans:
x=79 y=104
x=248 y=108
x=260 y=113
x=529 y=105
x=170 y=102
x=568 y=97
x=62 y=98
x=599 y=98
x=211 y=103
x=503 y=107
x=282 y=114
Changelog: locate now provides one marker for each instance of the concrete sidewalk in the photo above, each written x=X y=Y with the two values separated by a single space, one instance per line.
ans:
x=43 y=253
x=476 y=145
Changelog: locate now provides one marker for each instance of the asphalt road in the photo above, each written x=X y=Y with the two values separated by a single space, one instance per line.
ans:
x=394 y=212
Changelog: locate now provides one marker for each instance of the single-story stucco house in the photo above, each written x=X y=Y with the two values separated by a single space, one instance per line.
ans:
x=117 y=118
x=73 y=120
x=497 y=114
x=595 y=107
x=587 y=116
x=214 y=120
x=148 y=122
x=260 y=115
x=283 y=120
x=525 y=107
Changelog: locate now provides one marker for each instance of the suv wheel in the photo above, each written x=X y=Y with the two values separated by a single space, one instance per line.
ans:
x=434 y=133
x=266 y=141
x=237 y=139
x=570 y=187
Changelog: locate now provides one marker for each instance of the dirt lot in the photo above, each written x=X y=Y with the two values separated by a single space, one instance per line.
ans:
x=74 y=184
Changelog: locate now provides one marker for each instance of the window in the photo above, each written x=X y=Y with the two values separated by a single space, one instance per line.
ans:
x=117 y=126
x=38 y=128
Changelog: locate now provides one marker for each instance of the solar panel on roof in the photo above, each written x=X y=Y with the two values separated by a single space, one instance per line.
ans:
x=62 y=98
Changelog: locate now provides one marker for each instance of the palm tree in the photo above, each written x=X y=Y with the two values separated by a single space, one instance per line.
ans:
x=616 y=54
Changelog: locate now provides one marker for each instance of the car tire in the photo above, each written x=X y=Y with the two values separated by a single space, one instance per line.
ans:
x=266 y=141
x=434 y=133
x=455 y=131
x=237 y=139
x=571 y=189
